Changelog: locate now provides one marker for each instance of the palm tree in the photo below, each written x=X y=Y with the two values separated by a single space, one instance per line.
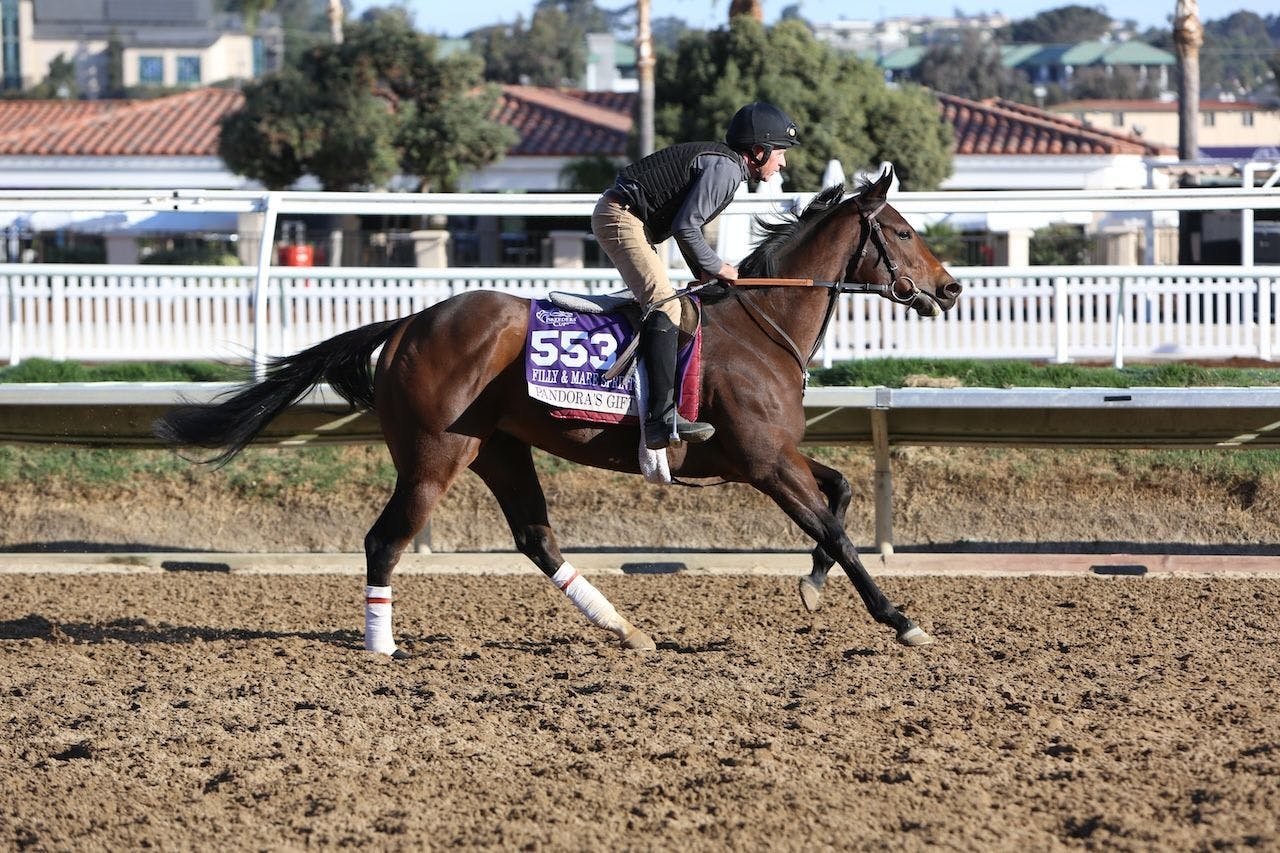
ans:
x=753 y=8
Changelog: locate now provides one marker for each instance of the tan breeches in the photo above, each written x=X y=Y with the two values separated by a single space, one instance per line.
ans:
x=621 y=235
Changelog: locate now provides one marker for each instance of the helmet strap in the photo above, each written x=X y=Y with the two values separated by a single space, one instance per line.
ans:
x=766 y=150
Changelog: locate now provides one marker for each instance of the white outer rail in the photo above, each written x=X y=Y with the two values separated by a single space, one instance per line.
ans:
x=100 y=312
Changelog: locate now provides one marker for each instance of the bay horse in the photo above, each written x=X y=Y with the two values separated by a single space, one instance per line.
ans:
x=450 y=393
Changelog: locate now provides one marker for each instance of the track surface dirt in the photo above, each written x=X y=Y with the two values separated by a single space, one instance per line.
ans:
x=222 y=711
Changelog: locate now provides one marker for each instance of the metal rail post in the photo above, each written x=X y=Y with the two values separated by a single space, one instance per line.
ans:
x=883 y=480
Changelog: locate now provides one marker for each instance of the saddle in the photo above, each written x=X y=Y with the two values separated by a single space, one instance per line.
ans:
x=626 y=305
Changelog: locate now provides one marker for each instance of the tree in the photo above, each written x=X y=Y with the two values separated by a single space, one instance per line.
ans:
x=549 y=51
x=305 y=22
x=970 y=67
x=60 y=82
x=1064 y=24
x=355 y=114
x=114 y=87
x=588 y=174
x=585 y=14
x=1059 y=245
x=842 y=105
x=1120 y=82
x=1235 y=52
x=667 y=32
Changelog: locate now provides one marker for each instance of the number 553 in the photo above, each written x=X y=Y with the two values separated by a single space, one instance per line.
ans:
x=573 y=349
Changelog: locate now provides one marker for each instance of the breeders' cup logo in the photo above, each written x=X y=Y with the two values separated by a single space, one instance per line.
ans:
x=556 y=319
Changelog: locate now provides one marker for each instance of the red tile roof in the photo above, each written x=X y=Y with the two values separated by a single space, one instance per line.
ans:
x=178 y=125
x=998 y=126
x=566 y=122
x=551 y=122
x=563 y=122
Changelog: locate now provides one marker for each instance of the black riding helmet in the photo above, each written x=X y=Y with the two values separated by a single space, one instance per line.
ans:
x=763 y=124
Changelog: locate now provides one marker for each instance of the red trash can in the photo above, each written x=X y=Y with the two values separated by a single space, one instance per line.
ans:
x=296 y=256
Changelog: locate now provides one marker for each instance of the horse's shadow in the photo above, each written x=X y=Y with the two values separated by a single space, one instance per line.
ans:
x=136 y=631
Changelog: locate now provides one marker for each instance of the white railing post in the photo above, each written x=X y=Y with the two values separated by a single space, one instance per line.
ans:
x=15 y=325
x=1119 y=319
x=1061 y=328
x=260 y=286
x=58 y=317
x=1264 y=319
x=1246 y=237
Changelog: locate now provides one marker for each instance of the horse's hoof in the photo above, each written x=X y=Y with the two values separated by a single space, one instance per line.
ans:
x=638 y=641
x=914 y=635
x=810 y=595
x=400 y=654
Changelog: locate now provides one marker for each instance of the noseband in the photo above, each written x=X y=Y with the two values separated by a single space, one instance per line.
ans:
x=872 y=233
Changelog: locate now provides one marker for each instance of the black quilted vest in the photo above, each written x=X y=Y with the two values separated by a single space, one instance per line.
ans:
x=658 y=184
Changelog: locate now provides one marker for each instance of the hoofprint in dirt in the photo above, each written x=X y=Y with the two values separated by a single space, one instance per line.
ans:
x=202 y=710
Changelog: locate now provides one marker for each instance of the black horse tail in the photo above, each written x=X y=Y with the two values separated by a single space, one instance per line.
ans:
x=230 y=423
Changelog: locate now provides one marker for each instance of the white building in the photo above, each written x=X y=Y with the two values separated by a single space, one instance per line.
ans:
x=168 y=43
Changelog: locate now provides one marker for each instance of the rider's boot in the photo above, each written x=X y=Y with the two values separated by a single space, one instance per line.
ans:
x=661 y=339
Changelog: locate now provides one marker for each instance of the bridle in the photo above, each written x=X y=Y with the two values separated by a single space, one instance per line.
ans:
x=872 y=234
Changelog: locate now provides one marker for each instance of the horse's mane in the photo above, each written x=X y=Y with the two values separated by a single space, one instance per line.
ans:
x=779 y=236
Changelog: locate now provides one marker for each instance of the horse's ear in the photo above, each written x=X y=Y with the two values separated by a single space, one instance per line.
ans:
x=876 y=193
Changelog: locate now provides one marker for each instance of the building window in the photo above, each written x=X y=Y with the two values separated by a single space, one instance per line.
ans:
x=1117 y=119
x=151 y=70
x=188 y=69
x=1210 y=119
x=1246 y=119
x=11 y=57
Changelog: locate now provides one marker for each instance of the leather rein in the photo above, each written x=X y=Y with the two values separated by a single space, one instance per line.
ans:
x=872 y=234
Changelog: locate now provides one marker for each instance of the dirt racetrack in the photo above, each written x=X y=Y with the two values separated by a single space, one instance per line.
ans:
x=189 y=710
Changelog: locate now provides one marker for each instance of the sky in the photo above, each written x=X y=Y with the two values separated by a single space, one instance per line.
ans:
x=456 y=17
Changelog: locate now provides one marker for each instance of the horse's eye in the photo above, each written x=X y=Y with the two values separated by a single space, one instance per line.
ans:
x=904 y=235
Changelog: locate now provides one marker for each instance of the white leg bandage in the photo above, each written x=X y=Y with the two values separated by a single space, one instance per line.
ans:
x=589 y=600
x=653 y=463
x=377 y=620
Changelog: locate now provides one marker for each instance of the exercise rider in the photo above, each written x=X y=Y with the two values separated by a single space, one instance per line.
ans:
x=674 y=192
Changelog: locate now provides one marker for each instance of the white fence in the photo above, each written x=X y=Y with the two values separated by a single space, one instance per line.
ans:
x=88 y=312
x=1060 y=313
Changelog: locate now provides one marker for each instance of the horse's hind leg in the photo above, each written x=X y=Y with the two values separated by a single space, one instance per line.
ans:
x=506 y=466
x=836 y=488
x=421 y=482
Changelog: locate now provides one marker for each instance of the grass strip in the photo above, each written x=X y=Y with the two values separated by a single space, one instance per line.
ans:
x=981 y=373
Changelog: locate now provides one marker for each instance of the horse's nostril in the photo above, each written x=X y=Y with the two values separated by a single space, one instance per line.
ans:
x=952 y=289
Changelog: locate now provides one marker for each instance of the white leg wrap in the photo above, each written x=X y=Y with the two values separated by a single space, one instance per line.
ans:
x=589 y=600
x=377 y=620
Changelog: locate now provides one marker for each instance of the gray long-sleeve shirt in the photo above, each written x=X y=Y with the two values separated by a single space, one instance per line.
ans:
x=718 y=180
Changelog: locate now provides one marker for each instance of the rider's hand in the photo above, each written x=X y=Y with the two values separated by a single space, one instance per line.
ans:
x=727 y=273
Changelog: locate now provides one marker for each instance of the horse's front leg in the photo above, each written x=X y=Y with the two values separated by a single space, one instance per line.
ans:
x=791 y=484
x=836 y=489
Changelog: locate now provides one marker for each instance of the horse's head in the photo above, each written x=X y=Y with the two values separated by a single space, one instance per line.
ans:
x=889 y=252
